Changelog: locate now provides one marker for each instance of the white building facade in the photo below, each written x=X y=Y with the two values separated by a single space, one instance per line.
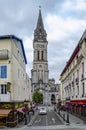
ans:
x=73 y=76
x=14 y=82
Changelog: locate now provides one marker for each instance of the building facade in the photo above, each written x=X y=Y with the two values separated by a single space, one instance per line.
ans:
x=73 y=78
x=14 y=81
x=15 y=84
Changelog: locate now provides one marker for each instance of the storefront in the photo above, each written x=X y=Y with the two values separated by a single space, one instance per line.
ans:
x=4 y=113
x=11 y=113
x=79 y=107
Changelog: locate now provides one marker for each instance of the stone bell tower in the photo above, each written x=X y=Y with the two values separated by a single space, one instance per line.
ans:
x=40 y=72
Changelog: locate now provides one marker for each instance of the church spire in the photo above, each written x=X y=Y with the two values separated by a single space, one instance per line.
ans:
x=39 y=32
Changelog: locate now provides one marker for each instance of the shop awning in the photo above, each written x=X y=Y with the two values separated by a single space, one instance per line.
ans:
x=21 y=110
x=78 y=102
x=4 y=112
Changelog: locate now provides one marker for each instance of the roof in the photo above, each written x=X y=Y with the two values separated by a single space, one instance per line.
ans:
x=74 y=52
x=15 y=38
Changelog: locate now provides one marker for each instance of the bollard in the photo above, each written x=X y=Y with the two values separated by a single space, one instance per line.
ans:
x=28 y=116
x=59 y=111
x=25 y=118
x=67 y=118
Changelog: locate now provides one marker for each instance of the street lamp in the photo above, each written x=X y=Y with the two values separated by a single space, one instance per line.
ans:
x=59 y=107
x=25 y=103
x=67 y=117
x=67 y=109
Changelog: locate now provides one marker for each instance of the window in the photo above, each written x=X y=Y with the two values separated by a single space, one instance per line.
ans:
x=83 y=89
x=73 y=77
x=78 y=90
x=3 y=71
x=18 y=73
x=42 y=55
x=78 y=74
x=73 y=63
x=76 y=58
x=83 y=68
x=38 y=55
x=40 y=66
x=3 y=89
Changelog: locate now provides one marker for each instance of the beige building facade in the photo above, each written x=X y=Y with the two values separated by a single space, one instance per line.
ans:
x=15 y=85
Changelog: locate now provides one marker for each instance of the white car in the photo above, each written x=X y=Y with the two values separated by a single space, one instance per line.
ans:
x=43 y=111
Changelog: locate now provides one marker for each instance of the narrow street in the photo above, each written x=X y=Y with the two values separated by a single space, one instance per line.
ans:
x=49 y=119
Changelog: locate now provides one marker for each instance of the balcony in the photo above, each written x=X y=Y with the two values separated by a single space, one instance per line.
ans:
x=4 y=54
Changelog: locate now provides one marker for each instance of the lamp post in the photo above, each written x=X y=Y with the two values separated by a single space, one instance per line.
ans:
x=68 y=117
x=25 y=103
x=59 y=107
x=67 y=109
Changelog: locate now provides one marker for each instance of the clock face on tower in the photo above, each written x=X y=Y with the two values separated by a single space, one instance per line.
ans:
x=39 y=46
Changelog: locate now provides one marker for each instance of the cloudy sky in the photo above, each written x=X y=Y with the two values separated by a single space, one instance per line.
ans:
x=64 y=22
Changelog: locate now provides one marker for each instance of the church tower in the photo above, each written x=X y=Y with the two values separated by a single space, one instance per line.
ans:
x=40 y=72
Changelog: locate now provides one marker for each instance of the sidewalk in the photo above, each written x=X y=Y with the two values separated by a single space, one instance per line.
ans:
x=75 y=123
x=33 y=118
x=73 y=120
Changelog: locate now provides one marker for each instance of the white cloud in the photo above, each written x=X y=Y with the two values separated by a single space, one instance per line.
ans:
x=58 y=27
x=28 y=45
x=74 y=5
x=81 y=4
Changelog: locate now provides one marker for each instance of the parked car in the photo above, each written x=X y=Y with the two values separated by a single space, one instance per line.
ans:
x=43 y=111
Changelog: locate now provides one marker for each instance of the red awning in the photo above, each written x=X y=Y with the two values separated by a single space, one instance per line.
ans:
x=4 y=112
x=78 y=102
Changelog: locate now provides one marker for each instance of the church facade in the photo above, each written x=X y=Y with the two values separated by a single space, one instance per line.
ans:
x=40 y=71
